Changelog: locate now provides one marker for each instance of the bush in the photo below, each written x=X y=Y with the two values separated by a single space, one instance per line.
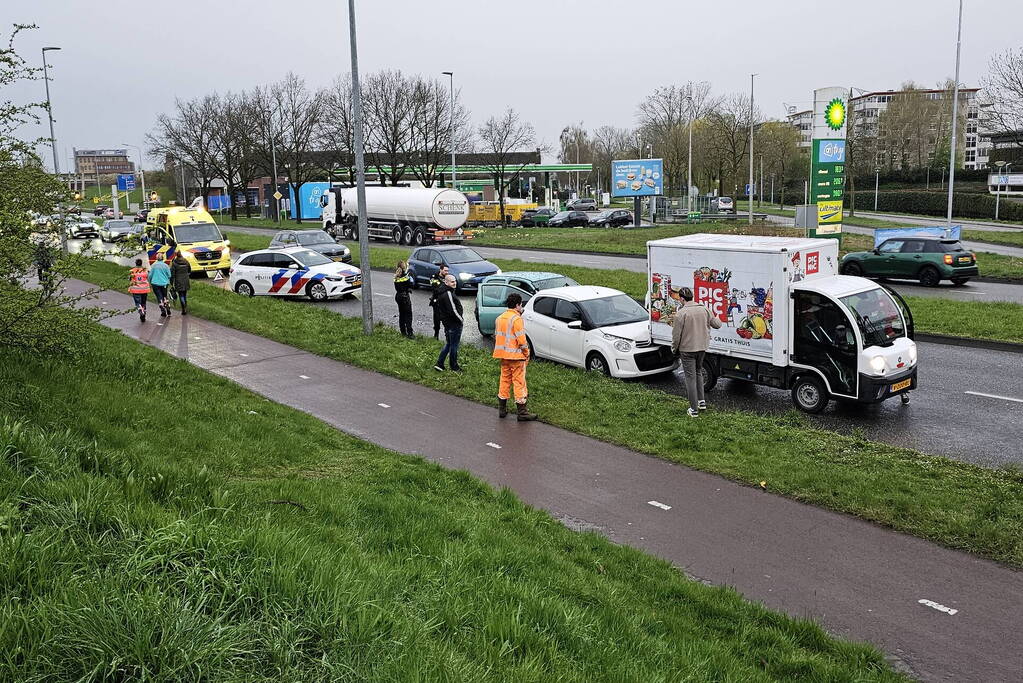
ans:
x=964 y=205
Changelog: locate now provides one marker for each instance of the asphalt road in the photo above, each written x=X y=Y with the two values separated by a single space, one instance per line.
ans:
x=983 y=226
x=938 y=613
x=943 y=418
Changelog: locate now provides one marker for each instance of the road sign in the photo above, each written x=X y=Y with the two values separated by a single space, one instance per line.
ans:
x=754 y=189
x=125 y=182
x=278 y=196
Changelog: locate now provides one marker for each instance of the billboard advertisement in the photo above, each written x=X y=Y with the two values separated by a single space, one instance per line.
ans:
x=637 y=178
x=308 y=198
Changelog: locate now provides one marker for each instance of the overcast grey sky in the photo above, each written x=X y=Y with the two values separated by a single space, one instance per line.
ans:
x=555 y=61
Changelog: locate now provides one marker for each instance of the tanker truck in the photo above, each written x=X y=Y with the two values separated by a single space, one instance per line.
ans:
x=404 y=215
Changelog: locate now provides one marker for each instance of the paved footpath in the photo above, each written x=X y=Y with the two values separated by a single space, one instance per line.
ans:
x=939 y=614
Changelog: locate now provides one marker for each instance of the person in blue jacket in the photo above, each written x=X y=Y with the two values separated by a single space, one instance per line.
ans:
x=159 y=280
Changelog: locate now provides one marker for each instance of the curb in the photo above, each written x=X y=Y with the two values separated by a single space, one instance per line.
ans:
x=990 y=344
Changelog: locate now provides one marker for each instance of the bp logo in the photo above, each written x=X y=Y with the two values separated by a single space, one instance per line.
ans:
x=834 y=114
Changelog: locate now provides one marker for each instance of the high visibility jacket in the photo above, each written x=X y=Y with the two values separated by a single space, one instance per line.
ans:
x=510 y=337
x=138 y=281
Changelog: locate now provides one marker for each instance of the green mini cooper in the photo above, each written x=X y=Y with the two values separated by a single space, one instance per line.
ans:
x=494 y=290
x=927 y=259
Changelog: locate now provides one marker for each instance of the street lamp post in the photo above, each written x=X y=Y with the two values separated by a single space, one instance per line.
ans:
x=751 y=77
x=998 y=185
x=689 y=172
x=877 y=178
x=955 y=115
x=360 y=179
x=142 y=172
x=53 y=136
x=451 y=126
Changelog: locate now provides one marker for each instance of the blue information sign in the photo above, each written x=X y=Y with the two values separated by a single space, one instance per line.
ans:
x=125 y=182
x=637 y=178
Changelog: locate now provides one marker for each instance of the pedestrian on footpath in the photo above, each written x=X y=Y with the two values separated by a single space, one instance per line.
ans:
x=690 y=337
x=511 y=347
x=437 y=288
x=159 y=279
x=403 y=297
x=451 y=315
x=138 y=287
x=181 y=277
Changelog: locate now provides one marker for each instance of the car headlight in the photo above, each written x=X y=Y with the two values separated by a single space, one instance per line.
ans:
x=464 y=276
x=623 y=345
x=912 y=354
x=877 y=364
x=335 y=278
x=498 y=272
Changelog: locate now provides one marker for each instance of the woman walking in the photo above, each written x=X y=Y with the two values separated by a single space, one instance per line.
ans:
x=159 y=279
x=138 y=287
x=181 y=277
x=403 y=297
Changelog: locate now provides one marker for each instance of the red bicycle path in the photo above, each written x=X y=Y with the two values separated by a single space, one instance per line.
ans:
x=939 y=614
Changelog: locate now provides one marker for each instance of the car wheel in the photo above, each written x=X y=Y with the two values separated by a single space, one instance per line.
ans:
x=419 y=237
x=852 y=268
x=396 y=235
x=809 y=394
x=929 y=276
x=244 y=288
x=317 y=291
x=406 y=238
x=597 y=363
x=960 y=281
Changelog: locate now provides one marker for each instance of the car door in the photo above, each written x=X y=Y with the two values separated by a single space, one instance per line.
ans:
x=566 y=344
x=257 y=270
x=491 y=303
x=882 y=263
x=282 y=279
x=419 y=265
x=537 y=320
x=909 y=259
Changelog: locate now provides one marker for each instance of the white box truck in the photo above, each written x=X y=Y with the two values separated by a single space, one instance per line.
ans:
x=789 y=320
x=406 y=215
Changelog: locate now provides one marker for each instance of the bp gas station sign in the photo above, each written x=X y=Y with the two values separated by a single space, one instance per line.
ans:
x=828 y=161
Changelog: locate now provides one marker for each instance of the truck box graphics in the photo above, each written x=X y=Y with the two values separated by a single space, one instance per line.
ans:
x=744 y=281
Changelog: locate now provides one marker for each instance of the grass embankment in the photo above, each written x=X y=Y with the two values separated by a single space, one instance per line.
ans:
x=977 y=320
x=956 y=504
x=165 y=524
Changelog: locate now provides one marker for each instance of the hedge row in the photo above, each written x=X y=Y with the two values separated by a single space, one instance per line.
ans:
x=964 y=205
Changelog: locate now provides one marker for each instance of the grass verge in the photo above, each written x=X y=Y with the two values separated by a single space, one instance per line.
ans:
x=959 y=505
x=134 y=546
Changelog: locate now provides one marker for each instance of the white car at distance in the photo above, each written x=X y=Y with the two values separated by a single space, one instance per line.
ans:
x=294 y=271
x=597 y=328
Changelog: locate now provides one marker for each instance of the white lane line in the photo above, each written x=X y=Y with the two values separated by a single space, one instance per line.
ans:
x=1000 y=398
x=197 y=338
x=494 y=445
x=658 y=505
x=244 y=355
x=383 y=405
x=532 y=258
x=303 y=377
x=938 y=606
x=587 y=261
x=974 y=293
x=379 y=294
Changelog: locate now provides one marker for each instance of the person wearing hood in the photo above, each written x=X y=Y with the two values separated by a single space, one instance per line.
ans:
x=181 y=280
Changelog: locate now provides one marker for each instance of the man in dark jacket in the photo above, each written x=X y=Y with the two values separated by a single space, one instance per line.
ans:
x=181 y=280
x=437 y=288
x=451 y=315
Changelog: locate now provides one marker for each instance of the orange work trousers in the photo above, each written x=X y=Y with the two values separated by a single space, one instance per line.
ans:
x=513 y=375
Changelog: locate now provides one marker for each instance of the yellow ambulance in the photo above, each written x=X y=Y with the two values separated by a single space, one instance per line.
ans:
x=191 y=231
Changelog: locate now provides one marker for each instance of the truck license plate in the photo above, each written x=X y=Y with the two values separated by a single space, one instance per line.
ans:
x=899 y=386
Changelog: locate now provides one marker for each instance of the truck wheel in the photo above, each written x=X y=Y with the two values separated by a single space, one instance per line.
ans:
x=929 y=276
x=407 y=236
x=317 y=291
x=710 y=379
x=419 y=237
x=852 y=268
x=809 y=394
x=396 y=235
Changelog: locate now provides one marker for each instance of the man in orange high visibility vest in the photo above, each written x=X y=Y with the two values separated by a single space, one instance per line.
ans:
x=511 y=347
x=138 y=287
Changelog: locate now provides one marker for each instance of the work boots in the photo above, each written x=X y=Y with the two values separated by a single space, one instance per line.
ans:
x=502 y=407
x=524 y=414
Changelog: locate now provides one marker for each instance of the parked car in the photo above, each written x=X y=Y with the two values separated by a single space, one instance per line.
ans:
x=294 y=271
x=317 y=240
x=582 y=204
x=597 y=328
x=539 y=216
x=494 y=291
x=722 y=205
x=612 y=219
x=468 y=267
x=568 y=219
x=115 y=230
x=81 y=227
x=927 y=259
x=140 y=216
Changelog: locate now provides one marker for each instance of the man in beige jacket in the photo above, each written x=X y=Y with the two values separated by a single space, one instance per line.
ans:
x=690 y=337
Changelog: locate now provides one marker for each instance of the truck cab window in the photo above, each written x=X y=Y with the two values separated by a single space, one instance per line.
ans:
x=823 y=338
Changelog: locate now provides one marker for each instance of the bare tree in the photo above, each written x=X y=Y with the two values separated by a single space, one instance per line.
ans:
x=189 y=137
x=729 y=124
x=664 y=117
x=336 y=134
x=500 y=137
x=388 y=104
x=778 y=141
x=610 y=143
x=231 y=123
x=1004 y=86
x=432 y=130
x=576 y=148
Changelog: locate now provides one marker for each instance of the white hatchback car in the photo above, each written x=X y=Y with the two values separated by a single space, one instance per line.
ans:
x=295 y=271
x=597 y=328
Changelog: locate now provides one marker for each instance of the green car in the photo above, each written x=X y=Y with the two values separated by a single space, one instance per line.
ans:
x=494 y=290
x=927 y=259
x=538 y=217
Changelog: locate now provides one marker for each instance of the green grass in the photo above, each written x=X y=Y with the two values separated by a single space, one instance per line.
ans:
x=272 y=547
x=953 y=503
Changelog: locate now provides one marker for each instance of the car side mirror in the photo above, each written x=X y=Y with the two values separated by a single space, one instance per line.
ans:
x=877 y=251
x=575 y=325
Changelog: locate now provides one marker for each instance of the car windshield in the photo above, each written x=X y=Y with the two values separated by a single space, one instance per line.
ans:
x=619 y=309
x=462 y=255
x=318 y=237
x=877 y=316
x=117 y=225
x=310 y=258
x=551 y=283
x=725 y=200
x=197 y=232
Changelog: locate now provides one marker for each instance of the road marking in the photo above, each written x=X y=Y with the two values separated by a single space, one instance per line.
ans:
x=494 y=445
x=532 y=258
x=379 y=294
x=197 y=338
x=658 y=505
x=244 y=355
x=383 y=405
x=303 y=377
x=586 y=261
x=1000 y=398
x=941 y=608
x=974 y=293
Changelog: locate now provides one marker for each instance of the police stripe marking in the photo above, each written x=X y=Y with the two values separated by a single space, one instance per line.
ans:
x=658 y=505
x=494 y=445
x=383 y=405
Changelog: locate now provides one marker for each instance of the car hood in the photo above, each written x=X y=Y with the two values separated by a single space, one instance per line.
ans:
x=855 y=254
x=335 y=269
x=117 y=230
x=327 y=248
x=476 y=267
x=637 y=332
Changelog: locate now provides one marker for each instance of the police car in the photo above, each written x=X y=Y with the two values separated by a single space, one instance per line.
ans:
x=294 y=271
